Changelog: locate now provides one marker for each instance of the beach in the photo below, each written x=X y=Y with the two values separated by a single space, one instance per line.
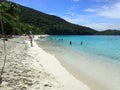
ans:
x=31 y=68
x=96 y=71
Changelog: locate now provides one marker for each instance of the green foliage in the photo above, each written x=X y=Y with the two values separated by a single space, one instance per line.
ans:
x=51 y=24
x=109 y=32
x=9 y=16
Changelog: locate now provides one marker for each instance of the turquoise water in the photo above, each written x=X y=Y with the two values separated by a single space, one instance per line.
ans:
x=96 y=61
x=104 y=46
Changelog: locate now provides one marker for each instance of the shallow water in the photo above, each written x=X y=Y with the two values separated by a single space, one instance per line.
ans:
x=96 y=62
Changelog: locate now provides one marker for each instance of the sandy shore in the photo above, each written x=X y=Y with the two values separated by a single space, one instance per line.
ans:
x=31 y=68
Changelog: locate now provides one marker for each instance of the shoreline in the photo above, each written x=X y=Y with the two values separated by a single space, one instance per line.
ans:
x=98 y=81
x=32 y=68
x=61 y=74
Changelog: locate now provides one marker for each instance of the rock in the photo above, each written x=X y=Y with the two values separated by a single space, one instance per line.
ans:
x=47 y=85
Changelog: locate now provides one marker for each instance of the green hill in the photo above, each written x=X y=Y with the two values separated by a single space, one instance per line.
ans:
x=51 y=24
x=109 y=32
x=18 y=19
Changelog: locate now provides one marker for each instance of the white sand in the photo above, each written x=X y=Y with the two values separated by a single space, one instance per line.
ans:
x=31 y=68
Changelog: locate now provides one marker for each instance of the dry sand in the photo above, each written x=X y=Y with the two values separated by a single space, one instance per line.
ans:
x=31 y=68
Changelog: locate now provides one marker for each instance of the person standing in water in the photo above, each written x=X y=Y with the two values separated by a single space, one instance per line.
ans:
x=70 y=42
x=31 y=38
x=81 y=43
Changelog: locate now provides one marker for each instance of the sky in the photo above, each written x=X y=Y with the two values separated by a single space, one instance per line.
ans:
x=97 y=14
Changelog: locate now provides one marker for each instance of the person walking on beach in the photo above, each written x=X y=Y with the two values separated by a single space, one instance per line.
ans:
x=31 y=38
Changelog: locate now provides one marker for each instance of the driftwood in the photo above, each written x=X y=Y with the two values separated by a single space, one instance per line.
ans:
x=5 y=39
x=0 y=80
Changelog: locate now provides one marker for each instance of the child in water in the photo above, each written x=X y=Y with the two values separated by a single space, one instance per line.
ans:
x=70 y=43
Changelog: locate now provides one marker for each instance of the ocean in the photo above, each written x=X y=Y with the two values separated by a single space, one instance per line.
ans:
x=93 y=59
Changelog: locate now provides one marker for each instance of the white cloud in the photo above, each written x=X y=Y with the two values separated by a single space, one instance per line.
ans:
x=103 y=26
x=101 y=0
x=103 y=17
x=73 y=19
x=104 y=0
x=73 y=7
x=84 y=20
x=111 y=12
x=105 y=7
x=90 y=10
x=87 y=21
x=72 y=10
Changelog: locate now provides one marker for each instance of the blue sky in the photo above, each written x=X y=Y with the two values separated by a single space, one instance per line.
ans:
x=97 y=14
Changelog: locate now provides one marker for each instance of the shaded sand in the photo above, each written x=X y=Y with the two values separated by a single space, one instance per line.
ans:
x=31 y=68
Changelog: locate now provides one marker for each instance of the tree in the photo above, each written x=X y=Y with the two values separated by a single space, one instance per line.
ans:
x=10 y=14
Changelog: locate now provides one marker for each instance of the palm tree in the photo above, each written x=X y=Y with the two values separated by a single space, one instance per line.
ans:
x=14 y=11
x=10 y=14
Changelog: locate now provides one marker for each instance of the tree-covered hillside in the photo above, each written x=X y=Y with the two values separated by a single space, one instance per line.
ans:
x=9 y=16
x=40 y=23
x=109 y=32
x=51 y=24
x=19 y=20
